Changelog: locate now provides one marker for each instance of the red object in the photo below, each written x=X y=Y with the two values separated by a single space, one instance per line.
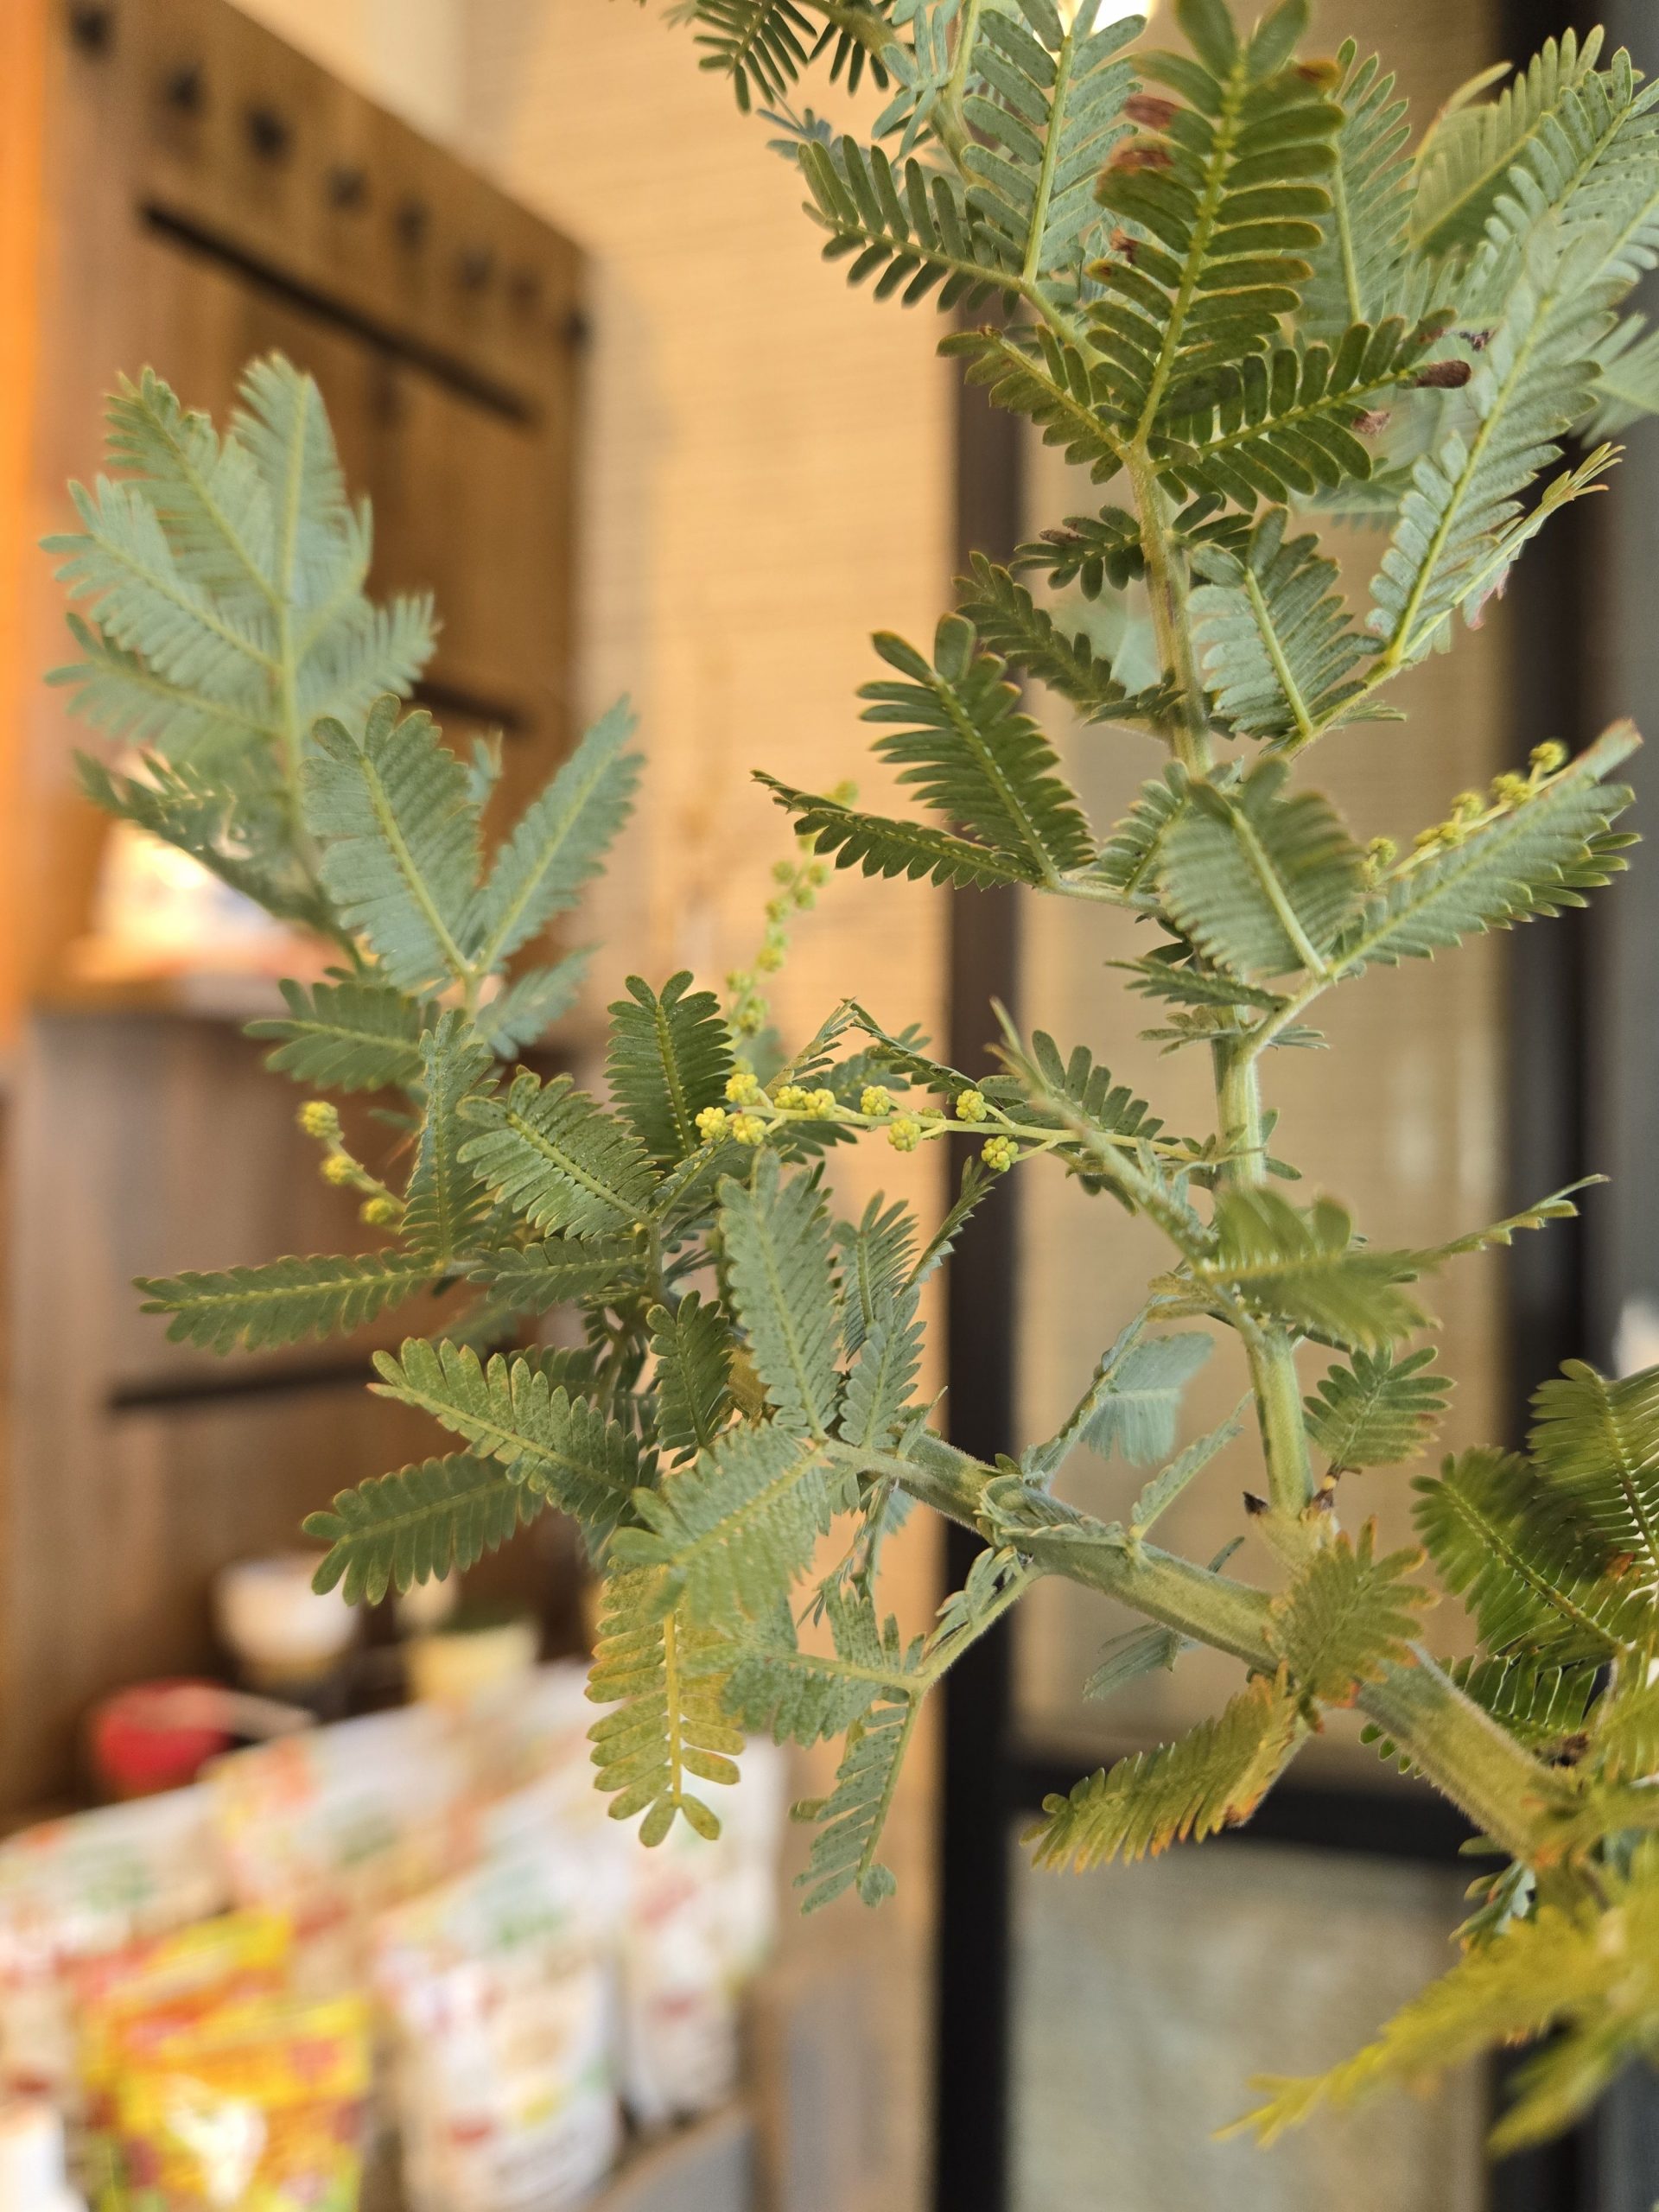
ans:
x=150 y=1738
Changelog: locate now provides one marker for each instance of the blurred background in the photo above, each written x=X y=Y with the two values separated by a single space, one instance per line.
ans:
x=610 y=406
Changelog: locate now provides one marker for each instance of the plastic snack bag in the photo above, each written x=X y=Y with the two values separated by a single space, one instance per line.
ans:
x=260 y=2109
x=502 y=1988
x=139 y=2000
x=330 y=1825
x=82 y=1889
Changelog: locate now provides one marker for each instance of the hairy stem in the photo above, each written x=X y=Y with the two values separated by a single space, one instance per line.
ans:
x=1171 y=618
x=1268 y=1351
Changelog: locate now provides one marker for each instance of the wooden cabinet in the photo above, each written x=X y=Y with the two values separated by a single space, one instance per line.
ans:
x=182 y=190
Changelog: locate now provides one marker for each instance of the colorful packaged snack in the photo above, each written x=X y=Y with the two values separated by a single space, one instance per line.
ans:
x=84 y=1888
x=501 y=1987
x=259 y=2108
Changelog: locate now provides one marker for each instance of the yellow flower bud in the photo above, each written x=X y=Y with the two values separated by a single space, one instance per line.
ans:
x=970 y=1106
x=741 y=1088
x=711 y=1123
x=337 y=1170
x=782 y=871
x=1549 y=757
x=906 y=1134
x=822 y=1105
x=999 y=1154
x=876 y=1099
x=1510 y=789
x=790 y=1097
x=748 y=1129
x=379 y=1213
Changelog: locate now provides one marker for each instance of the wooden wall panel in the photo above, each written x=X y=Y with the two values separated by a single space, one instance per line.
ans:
x=204 y=192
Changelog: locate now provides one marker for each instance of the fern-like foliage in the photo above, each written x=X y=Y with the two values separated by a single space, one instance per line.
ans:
x=692 y=1344
x=1308 y=1270
x=961 y=741
x=558 y=843
x=1358 y=262
x=563 y=1448
x=1533 y=857
x=883 y=1375
x=553 y=1154
x=803 y=1697
x=731 y=1536
x=1347 y=1617
x=878 y=1257
x=395 y=810
x=1488 y=1525
x=346 y=1036
x=1589 y=1971
x=1226 y=197
x=1236 y=294
x=668 y=1728
x=1281 y=651
x=259 y=1309
x=1260 y=882
x=1476 y=149
x=1377 y=1409
x=851 y=1818
x=445 y=1200
x=1049 y=115
x=1596 y=1446
x=1214 y=1777
x=226 y=577
x=784 y=1290
x=420 y=1524
x=668 y=1057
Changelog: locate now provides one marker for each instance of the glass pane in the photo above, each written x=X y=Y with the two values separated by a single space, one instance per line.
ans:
x=1402 y=1117
x=1146 y=1996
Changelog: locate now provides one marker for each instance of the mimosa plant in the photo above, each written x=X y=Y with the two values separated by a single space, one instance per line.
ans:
x=1242 y=303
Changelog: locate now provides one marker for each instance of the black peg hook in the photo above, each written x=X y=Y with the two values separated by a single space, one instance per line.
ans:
x=270 y=133
x=184 y=88
x=92 y=28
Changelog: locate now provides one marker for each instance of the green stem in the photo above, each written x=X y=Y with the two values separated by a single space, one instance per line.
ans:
x=1170 y=620
x=948 y=119
x=1268 y=1351
x=1467 y=1756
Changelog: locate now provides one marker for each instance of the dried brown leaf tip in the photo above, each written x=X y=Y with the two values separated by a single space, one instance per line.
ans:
x=1443 y=376
x=1319 y=70
x=1150 y=109
x=1141 y=154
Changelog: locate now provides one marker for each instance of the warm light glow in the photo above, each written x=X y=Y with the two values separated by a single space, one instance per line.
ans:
x=1106 y=11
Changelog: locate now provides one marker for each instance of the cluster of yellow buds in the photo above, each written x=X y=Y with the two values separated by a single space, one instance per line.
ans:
x=1380 y=856
x=970 y=1106
x=1472 y=810
x=748 y=1129
x=711 y=1123
x=999 y=1154
x=876 y=1100
x=743 y=1086
x=320 y=1120
x=904 y=1134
